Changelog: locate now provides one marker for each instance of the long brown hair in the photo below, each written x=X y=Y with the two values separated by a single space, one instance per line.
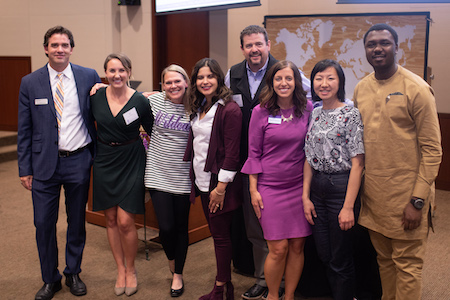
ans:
x=222 y=92
x=268 y=97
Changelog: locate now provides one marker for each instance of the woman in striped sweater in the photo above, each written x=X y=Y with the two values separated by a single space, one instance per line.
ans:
x=166 y=174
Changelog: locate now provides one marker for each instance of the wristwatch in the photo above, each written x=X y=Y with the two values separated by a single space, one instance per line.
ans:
x=418 y=203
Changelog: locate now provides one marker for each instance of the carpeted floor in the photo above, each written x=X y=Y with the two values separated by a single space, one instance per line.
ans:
x=20 y=273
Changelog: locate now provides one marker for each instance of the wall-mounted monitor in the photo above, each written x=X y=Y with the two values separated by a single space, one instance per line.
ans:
x=179 y=6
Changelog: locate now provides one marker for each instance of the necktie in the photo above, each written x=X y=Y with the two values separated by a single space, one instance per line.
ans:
x=59 y=100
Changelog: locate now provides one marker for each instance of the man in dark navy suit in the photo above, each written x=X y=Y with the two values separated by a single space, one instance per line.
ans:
x=56 y=135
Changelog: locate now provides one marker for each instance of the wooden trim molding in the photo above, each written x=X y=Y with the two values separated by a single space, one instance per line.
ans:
x=443 y=178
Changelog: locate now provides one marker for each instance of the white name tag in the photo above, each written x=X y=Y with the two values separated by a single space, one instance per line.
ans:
x=238 y=100
x=42 y=101
x=130 y=116
x=275 y=120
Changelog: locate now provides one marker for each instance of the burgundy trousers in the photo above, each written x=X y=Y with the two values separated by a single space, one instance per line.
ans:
x=220 y=227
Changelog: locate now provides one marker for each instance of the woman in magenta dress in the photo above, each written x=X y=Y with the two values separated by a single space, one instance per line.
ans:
x=275 y=165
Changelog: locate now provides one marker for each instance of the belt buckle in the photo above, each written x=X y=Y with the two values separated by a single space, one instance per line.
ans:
x=63 y=153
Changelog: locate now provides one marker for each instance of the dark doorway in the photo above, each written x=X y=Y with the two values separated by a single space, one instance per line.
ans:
x=181 y=39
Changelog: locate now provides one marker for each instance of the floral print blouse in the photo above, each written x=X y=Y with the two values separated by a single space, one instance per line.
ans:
x=334 y=137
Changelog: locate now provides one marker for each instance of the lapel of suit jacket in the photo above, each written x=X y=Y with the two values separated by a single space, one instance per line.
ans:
x=44 y=82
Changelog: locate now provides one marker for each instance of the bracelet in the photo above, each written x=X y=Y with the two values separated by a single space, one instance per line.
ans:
x=219 y=194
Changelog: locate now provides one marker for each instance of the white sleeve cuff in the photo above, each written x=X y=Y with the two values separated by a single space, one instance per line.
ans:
x=226 y=176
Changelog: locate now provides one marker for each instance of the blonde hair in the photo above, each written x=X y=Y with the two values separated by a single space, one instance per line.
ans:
x=180 y=70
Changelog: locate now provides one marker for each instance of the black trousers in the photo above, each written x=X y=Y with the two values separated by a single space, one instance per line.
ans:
x=334 y=246
x=172 y=212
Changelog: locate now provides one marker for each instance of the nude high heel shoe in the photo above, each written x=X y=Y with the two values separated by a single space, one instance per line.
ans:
x=130 y=290
x=119 y=290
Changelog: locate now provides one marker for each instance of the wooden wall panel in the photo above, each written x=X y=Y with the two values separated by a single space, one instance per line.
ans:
x=13 y=69
x=180 y=39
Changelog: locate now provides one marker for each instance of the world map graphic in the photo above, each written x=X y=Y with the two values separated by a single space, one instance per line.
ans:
x=305 y=41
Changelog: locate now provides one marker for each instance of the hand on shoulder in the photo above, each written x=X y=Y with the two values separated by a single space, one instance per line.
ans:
x=96 y=87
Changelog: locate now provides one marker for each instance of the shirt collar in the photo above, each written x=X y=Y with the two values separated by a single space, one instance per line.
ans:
x=263 y=69
x=67 y=72
x=220 y=101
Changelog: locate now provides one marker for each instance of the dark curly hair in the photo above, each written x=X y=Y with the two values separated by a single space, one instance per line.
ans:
x=222 y=92
x=268 y=97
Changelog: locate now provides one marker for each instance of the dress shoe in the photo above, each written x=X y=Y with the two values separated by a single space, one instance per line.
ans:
x=48 y=290
x=280 y=294
x=255 y=292
x=77 y=286
x=177 y=293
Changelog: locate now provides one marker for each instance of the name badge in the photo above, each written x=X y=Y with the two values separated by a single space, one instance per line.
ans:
x=238 y=100
x=42 y=101
x=275 y=120
x=130 y=116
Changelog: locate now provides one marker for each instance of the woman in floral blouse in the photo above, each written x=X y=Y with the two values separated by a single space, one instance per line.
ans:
x=332 y=175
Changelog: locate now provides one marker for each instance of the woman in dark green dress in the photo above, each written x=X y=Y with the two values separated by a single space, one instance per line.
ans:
x=119 y=165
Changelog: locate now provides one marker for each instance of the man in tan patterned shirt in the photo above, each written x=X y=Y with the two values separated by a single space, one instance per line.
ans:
x=402 y=140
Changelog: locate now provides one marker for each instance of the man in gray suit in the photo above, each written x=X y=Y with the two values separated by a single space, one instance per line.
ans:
x=56 y=135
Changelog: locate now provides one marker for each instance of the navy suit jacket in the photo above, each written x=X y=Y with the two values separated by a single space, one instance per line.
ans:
x=37 y=140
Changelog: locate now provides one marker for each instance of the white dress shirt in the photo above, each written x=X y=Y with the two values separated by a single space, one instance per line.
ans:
x=202 y=134
x=73 y=133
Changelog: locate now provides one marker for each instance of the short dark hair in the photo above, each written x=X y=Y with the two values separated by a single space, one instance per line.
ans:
x=222 y=92
x=268 y=97
x=61 y=30
x=251 y=29
x=320 y=67
x=379 y=27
